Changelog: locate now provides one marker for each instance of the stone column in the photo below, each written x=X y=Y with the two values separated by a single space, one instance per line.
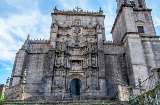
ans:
x=101 y=65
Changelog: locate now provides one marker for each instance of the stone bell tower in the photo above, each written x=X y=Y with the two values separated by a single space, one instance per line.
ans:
x=133 y=20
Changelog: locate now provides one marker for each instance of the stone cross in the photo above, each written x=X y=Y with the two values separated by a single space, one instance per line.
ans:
x=78 y=9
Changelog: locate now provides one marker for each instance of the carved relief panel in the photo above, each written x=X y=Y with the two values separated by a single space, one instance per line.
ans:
x=63 y=31
x=91 y=32
x=76 y=22
x=76 y=65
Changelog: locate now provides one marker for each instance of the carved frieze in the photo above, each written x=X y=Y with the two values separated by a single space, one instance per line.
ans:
x=77 y=22
x=78 y=10
x=90 y=32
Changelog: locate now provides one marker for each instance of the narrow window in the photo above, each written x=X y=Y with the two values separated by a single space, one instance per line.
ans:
x=140 y=4
x=140 y=29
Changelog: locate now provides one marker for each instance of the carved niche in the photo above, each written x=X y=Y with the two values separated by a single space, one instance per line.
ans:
x=59 y=46
x=59 y=60
x=94 y=60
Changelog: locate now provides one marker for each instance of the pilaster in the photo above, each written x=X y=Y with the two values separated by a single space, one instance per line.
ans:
x=138 y=63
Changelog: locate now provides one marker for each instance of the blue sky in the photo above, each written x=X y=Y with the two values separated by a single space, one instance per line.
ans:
x=21 y=17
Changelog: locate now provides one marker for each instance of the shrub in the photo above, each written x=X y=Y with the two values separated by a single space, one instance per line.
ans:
x=2 y=100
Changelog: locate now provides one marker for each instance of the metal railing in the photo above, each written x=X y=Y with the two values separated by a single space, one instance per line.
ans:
x=146 y=84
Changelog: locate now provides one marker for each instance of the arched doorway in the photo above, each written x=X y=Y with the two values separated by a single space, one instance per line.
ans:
x=76 y=87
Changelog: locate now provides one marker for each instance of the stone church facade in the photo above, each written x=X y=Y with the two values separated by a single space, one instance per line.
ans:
x=78 y=61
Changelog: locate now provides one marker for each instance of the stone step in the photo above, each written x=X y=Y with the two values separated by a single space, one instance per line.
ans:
x=79 y=102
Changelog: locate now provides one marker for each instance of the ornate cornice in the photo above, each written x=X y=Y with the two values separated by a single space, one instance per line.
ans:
x=77 y=11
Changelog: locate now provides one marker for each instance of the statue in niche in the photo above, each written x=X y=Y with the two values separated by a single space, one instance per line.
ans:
x=76 y=65
x=59 y=60
x=77 y=51
x=59 y=84
x=57 y=72
x=58 y=44
x=56 y=21
x=93 y=73
x=94 y=47
x=94 y=61
x=97 y=21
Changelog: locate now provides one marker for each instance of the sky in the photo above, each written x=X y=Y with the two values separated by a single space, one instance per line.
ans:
x=18 y=18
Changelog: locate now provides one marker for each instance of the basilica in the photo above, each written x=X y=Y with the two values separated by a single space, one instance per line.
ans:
x=77 y=61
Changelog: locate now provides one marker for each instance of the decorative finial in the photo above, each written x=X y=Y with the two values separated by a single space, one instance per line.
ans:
x=100 y=10
x=55 y=8
x=28 y=36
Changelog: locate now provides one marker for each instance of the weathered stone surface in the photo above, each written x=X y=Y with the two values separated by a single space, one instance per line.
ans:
x=77 y=50
x=2 y=90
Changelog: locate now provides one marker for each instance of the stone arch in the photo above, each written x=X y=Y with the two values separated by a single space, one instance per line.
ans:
x=75 y=87
x=78 y=76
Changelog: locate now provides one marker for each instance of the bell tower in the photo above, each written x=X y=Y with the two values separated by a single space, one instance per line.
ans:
x=132 y=22
x=132 y=16
x=140 y=4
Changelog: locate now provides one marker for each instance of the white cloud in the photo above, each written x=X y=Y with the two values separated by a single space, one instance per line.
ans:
x=14 y=28
x=71 y=4
x=30 y=20
x=5 y=67
x=157 y=21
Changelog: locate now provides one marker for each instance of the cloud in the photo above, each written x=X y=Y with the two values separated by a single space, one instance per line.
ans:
x=5 y=66
x=157 y=21
x=71 y=4
x=15 y=27
x=28 y=19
